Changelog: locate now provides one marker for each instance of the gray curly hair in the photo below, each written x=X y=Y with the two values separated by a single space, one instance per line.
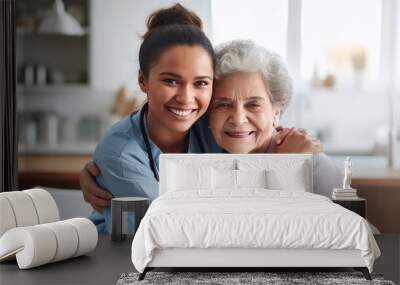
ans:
x=246 y=56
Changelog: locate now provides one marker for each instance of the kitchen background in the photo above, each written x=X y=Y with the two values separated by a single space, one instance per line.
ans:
x=75 y=80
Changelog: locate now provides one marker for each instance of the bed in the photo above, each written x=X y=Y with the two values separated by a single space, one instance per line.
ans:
x=247 y=211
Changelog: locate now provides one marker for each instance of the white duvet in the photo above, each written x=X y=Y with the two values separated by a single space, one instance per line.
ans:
x=251 y=218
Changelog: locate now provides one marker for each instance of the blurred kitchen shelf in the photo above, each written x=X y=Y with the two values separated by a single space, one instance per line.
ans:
x=30 y=32
x=56 y=89
x=349 y=149
x=63 y=59
x=342 y=93
x=84 y=148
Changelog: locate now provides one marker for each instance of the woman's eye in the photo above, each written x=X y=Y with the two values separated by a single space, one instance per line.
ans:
x=201 y=83
x=254 y=105
x=170 y=81
x=221 y=105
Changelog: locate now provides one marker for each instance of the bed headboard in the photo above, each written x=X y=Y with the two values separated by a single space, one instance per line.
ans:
x=277 y=162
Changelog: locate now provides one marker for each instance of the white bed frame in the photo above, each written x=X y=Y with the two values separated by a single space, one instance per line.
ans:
x=249 y=257
x=235 y=257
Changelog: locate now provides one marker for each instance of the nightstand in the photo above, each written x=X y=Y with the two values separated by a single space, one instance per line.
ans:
x=358 y=206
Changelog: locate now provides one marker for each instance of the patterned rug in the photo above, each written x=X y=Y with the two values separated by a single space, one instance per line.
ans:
x=230 y=278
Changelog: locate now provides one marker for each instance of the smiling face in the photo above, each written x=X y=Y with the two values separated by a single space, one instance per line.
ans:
x=179 y=88
x=241 y=113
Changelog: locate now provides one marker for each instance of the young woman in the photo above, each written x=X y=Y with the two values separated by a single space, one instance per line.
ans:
x=176 y=72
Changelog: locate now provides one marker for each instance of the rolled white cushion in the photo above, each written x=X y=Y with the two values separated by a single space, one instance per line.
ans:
x=7 y=218
x=23 y=208
x=87 y=235
x=67 y=239
x=40 y=244
x=33 y=246
x=45 y=205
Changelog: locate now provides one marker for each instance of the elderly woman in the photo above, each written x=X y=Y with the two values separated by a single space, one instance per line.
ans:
x=252 y=90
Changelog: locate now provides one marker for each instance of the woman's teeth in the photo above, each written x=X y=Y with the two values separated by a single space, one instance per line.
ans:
x=180 y=112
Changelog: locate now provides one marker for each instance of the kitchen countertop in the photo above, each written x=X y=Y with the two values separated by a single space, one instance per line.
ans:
x=78 y=148
x=371 y=171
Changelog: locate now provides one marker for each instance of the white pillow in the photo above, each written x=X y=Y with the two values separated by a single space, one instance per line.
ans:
x=282 y=173
x=224 y=179
x=229 y=179
x=183 y=177
x=293 y=180
x=251 y=178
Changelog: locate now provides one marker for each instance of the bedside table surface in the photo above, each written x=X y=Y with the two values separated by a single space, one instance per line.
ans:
x=349 y=200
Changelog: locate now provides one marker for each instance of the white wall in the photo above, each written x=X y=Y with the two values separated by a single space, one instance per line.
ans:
x=116 y=37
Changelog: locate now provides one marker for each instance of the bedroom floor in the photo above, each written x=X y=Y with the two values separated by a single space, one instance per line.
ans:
x=388 y=263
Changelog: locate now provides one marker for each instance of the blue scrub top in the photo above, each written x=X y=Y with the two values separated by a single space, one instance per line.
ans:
x=124 y=164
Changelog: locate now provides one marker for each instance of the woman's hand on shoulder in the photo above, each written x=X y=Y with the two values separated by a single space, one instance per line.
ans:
x=97 y=197
x=293 y=140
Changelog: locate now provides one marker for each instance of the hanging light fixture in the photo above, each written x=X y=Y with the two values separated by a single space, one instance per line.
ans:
x=58 y=21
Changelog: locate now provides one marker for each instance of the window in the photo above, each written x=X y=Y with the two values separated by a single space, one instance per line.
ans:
x=337 y=38
x=341 y=38
x=265 y=22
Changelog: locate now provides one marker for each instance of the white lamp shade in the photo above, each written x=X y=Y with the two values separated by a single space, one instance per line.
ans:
x=57 y=21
